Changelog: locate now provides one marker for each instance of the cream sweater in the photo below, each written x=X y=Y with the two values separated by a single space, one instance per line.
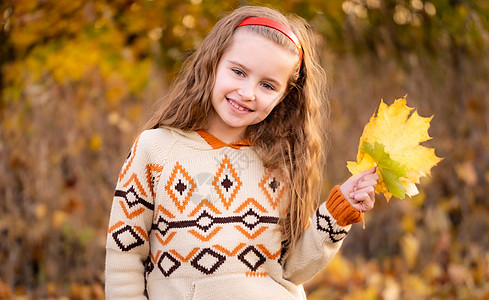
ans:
x=195 y=218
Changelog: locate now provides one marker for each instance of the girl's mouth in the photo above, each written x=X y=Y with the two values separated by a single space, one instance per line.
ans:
x=238 y=106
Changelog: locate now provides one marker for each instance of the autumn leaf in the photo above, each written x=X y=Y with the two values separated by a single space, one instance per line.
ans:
x=391 y=141
x=390 y=169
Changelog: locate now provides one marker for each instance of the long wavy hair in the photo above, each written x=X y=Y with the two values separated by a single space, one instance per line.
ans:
x=292 y=138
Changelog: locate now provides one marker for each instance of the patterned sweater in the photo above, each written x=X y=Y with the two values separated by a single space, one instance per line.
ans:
x=196 y=218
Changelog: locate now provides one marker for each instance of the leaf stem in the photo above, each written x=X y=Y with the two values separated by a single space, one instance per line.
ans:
x=363 y=219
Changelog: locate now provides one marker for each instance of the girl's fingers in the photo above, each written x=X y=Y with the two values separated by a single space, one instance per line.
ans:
x=365 y=184
x=362 y=175
x=368 y=172
x=364 y=199
x=363 y=202
x=368 y=179
x=362 y=193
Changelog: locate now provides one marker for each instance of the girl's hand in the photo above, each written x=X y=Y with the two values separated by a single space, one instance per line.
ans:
x=359 y=190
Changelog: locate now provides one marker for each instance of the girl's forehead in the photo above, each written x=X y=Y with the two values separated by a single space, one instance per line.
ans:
x=243 y=37
x=247 y=42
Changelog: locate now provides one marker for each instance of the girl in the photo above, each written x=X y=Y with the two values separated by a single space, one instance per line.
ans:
x=218 y=198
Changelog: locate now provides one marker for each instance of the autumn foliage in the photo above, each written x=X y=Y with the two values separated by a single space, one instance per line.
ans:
x=78 y=78
x=391 y=142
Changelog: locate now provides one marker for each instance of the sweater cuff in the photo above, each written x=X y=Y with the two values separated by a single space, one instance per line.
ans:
x=339 y=207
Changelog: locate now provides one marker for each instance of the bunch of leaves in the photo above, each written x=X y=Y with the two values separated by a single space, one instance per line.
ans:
x=391 y=141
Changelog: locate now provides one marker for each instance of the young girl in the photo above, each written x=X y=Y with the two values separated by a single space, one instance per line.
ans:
x=218 y=198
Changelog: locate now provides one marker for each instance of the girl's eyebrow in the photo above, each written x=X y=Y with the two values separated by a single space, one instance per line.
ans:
x=271 y=80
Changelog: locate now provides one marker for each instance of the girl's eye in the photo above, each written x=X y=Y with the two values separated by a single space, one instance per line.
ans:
x=267 y=86
x=238 y=72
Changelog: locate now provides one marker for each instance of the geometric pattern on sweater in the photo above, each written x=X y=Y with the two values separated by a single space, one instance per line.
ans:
x=128 y=237
x=129 y=159
x=250 y=219
x=325 y=223
x=180 y=187
x=133 y=205
x=226 y=182
x=208 y=259
x=153 y=172
x=204 y=222
x=205 y=225
x=134 y=194
x=272 y=188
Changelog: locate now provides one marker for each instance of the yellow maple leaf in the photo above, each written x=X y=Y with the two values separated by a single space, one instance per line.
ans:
x=391 y=140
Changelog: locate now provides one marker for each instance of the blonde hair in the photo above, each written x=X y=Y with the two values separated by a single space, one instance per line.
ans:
x=291 y=139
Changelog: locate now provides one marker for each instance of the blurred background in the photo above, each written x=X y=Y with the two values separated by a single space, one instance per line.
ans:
x=78 y=78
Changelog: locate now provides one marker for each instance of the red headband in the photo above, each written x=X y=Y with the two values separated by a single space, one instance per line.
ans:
x=275 y=25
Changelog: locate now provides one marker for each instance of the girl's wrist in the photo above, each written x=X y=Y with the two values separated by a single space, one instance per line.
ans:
x=341 y=209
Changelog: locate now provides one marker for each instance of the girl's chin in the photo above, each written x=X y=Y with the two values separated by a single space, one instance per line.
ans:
x=234 y=126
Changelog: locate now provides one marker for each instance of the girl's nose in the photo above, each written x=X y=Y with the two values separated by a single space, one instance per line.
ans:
x=247 y=92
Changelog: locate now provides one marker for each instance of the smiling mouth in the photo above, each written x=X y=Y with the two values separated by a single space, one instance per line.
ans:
x=237 y=106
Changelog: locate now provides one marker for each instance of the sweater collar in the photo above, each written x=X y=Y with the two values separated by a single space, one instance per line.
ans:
x=216 y=143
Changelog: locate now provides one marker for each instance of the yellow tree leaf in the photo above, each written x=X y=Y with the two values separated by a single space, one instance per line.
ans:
x=400 y=131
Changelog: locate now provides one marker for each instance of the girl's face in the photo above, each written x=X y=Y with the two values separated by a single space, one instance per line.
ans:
x=252 y=78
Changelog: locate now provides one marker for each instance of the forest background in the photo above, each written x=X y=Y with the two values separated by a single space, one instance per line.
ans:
x=78 y=78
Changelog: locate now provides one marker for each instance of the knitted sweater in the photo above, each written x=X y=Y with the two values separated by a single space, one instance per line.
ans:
x=196 y=218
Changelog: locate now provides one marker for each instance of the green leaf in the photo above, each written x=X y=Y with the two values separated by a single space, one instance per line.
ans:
x=390 y=169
